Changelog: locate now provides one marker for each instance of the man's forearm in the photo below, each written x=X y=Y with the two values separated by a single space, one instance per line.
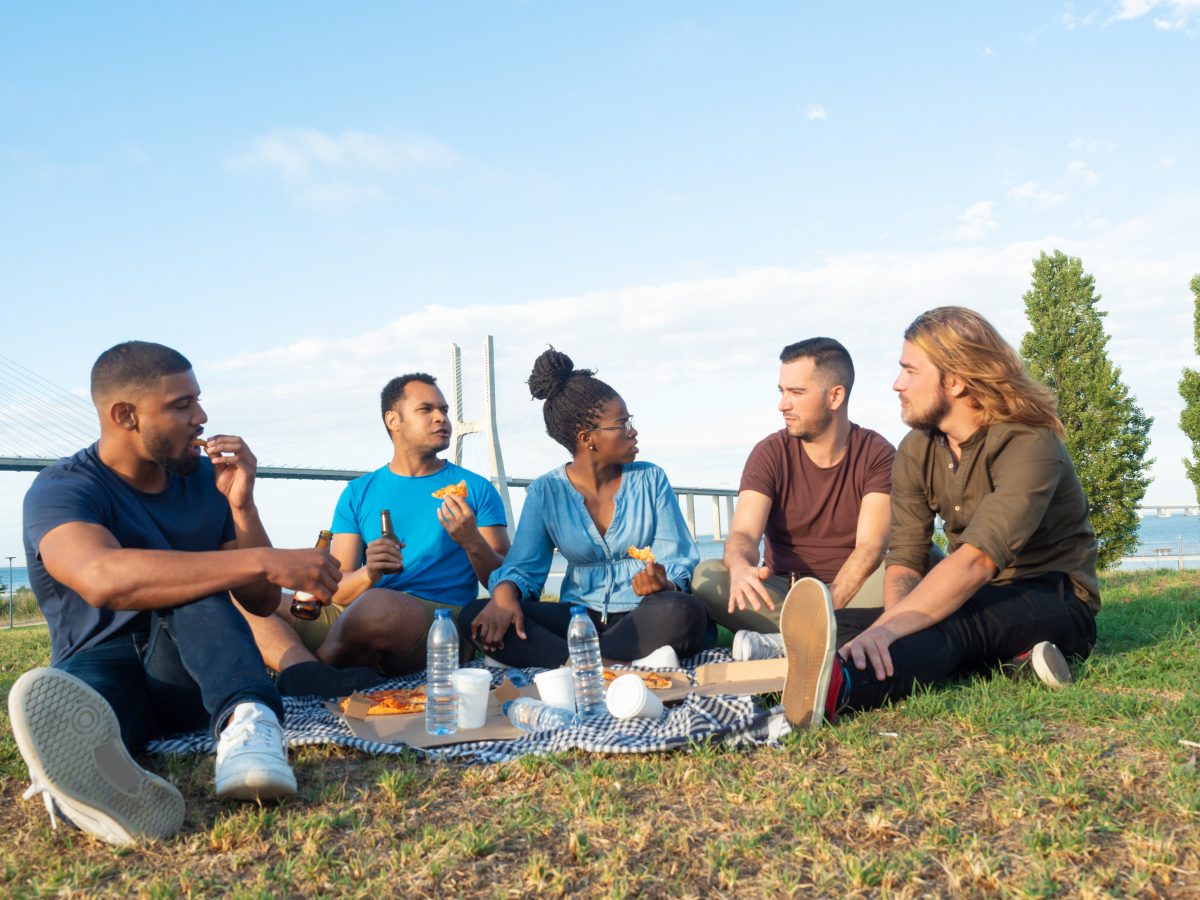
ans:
x=260 y=597
x=127 y=579
x=939 y=594
x=740 y=550
x=898 y=583
x=854 y=572
x=484 y=560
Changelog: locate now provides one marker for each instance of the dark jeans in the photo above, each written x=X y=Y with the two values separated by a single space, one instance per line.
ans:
x=998 y=623
x=190 y=669
x=668 y=617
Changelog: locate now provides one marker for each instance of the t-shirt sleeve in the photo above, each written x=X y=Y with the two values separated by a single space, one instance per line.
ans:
x=56 y=498
x=761 y=472
x=1025 y=474
x=527 y=562
x=912 y=518
x=345 y=514
x=673 y=546
x=879 y=459
x=490 y=508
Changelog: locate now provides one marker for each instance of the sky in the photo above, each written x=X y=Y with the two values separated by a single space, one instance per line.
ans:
x=306 y=199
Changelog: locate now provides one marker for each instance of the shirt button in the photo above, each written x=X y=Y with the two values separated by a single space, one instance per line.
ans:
x=957 y=508
x=949 y=465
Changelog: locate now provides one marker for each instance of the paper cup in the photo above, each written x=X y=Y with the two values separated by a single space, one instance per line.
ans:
x=557 y=687
x=473 y=686
x=629 y=698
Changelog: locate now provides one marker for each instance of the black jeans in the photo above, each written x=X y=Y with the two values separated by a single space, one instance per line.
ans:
x=189 y=670
x=998 y=623
x=668 y=617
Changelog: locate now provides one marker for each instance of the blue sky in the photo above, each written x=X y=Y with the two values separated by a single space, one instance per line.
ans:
x=306 y=198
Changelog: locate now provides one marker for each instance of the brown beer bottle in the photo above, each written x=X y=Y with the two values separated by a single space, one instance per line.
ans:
x=385 y=525
x=304 y=604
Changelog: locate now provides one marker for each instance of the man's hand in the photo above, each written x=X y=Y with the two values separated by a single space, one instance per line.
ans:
x=234 y=467
x=384 y=557
x=871 y=646
x=746 y=588
x=494 y=620
x=459 y=520
x=651 y=580
x=313 y=571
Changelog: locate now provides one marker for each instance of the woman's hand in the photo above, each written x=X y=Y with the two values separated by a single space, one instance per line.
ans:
x=651 y=580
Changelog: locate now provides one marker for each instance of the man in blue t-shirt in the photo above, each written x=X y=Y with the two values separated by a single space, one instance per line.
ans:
x=134 y=546
x=443 y=549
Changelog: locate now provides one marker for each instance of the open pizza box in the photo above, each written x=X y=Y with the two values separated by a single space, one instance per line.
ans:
x=738 y=678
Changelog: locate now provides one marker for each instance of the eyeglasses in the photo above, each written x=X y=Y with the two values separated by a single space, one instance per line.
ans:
x=627 y=427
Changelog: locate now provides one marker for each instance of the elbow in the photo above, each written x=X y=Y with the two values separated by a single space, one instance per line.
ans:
x=98 y=585
x=980 y=566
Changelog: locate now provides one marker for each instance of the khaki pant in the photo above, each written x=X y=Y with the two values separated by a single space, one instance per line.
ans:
x=710 y=582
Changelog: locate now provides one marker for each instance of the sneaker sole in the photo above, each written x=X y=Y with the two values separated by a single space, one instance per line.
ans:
x=809 y=637
x=269 y=781
x=740 y=650
x=1050 y=665
x=71 y=741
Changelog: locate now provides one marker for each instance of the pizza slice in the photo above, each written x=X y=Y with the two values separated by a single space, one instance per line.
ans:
x=652 y=680
x=645 y=554
x=392 y=701
x=451 y=490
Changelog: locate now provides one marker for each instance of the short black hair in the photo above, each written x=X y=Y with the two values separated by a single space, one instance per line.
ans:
x=135 y=364
x=827 y=355
x=393 y=391
x=573 y=397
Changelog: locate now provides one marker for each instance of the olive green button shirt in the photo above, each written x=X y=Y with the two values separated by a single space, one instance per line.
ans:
x=1014 y=495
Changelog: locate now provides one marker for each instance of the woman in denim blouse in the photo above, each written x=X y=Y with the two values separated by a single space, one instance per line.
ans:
x=593 y=510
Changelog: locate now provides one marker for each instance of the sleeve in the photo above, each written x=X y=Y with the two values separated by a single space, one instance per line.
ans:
x=527 y=562
x=761 y=472
x=912 y=518
x=56 y=498
x=489 y=508
x=673 y=545
x=878 y=476
x=1025 y=472
x=345 y=514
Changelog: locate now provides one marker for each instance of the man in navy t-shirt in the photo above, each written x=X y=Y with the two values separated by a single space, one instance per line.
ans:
x=134 y=546
x=444 y=549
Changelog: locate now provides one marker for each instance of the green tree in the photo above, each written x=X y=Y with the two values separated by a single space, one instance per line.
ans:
x=1189 y=389
x=1106 y=433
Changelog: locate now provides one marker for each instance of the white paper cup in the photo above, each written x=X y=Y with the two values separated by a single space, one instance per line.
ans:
x=629 y=698
x=473 y=686
x=557 y=687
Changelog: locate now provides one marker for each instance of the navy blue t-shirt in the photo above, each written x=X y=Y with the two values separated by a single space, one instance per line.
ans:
x=191 y=514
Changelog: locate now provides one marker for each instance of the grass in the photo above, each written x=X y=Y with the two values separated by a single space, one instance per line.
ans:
x=976 y=788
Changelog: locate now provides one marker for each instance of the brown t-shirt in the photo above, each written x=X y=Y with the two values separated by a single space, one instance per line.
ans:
x=814 y=511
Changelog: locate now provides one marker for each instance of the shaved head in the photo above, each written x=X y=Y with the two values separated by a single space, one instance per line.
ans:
x=134 y=366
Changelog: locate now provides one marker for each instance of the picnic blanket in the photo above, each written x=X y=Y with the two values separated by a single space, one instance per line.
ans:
x=733 y=720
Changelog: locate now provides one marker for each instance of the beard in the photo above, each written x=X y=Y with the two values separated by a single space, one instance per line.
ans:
x=813 y=428
x=926 y=419
x=159 y=448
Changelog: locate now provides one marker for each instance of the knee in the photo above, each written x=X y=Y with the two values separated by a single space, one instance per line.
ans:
x=682 y=614
x=383 y=616
x=710 y=577
x=466 y=616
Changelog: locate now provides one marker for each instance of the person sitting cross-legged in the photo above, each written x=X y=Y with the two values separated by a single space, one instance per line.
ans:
x=986 y=454
x=593 y=509
x=134 y=546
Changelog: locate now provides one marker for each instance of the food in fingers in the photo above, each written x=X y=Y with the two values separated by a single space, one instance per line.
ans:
x=644 y=554
x=451 y=490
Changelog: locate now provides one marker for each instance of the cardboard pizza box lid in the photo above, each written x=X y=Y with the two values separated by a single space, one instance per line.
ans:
x=758 y=676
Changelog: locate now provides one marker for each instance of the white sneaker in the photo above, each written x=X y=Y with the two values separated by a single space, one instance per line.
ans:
x=748 y=645
x=664 y=657
x=71 y=741
x=252 y=756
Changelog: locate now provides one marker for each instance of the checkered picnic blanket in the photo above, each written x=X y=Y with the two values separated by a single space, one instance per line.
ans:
x=733 y=720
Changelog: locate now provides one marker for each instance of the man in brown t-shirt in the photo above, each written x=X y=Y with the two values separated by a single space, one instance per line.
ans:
x=817 y=491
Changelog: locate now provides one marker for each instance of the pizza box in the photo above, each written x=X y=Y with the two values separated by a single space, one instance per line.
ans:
x=410 y=729
x=757 y=676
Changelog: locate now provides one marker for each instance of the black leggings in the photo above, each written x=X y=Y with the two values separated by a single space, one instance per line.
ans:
x=999 y=622
x=668 y=617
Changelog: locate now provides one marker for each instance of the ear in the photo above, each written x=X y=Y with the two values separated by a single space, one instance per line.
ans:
x=392 y=420
x=124 y=415
x=953 y=386
x=584 y=442
x=835 y=397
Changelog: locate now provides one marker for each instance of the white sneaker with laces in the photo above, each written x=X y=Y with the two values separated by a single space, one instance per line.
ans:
x=71 y=741
x=748 y=645
x=252 y=756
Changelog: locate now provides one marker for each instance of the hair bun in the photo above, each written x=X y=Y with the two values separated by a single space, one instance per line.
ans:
x=550 y=373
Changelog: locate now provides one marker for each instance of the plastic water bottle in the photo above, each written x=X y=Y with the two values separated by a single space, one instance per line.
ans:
x=441 y=659
x=583 y=644
x=532 y=715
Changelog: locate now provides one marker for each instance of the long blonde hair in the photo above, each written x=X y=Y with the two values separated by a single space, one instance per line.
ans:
x=963 y=344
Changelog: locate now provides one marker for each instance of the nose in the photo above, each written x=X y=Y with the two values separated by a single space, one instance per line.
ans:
x=784 y=404
x=201 y=416
x=898 y=384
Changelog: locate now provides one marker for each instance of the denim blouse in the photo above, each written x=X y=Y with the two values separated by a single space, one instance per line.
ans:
x=599 y=569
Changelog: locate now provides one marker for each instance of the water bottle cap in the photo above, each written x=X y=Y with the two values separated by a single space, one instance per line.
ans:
x=441 y=613
x=578 y=609
x=504 y=708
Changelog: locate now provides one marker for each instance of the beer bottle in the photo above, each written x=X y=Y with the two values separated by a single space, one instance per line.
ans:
x=304 y=605
x=385 y=527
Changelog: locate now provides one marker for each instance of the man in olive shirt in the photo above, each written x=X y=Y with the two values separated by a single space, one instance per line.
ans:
x=986 y=455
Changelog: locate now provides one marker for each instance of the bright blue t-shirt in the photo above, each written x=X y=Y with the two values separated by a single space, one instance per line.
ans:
x=435 y=567
x=190 y=514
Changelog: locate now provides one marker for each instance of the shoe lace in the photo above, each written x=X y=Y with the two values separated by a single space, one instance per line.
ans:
x=38 y=788
x=252 y=730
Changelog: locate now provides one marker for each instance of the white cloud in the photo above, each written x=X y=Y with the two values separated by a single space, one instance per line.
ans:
x=1071 y=22
x=1079 y=169
x=1033 y=194
x=1174 y=15
x=339 y=170
x=976 y=221
x=1092 y=146
x=816 y=111
x=1166 y=163
x=987 y=51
